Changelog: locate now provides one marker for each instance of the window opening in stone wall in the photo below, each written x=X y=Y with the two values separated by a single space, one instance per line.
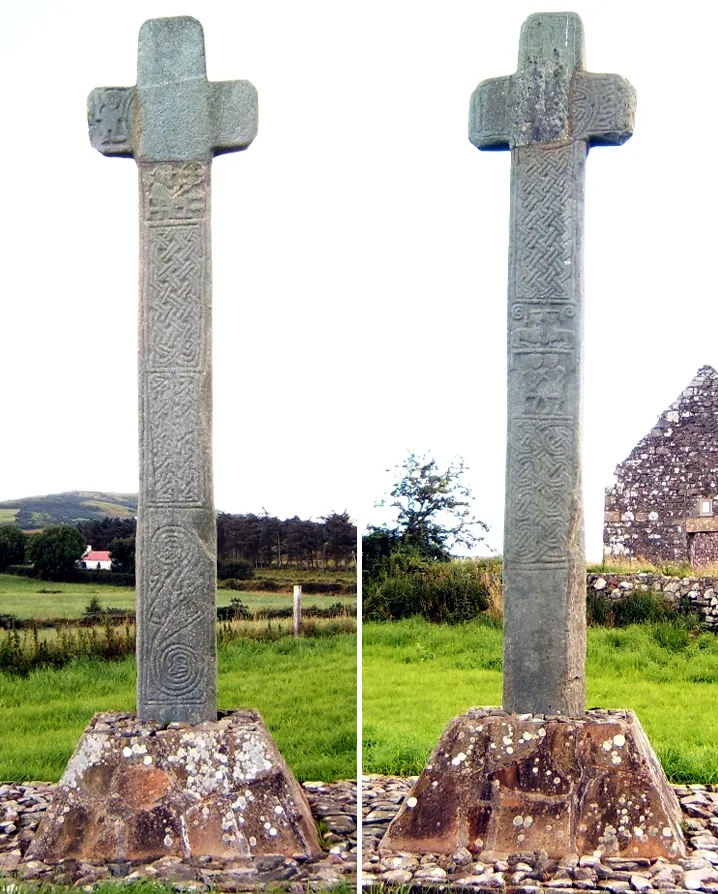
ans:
x=706 y=507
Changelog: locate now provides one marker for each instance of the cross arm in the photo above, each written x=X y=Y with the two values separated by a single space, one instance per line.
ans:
x=489 y=121
x=603 y=108
x=109 y=117
x=233 y=112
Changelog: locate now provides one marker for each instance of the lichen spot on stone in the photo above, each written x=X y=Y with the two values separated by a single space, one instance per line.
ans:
x=507 y=740
x=147 y=760
x=542 y=732
x=279 y=810
x=667 y=833
x=252 y=841
x=168 y=841
x=273 y=832
x=460 y=757
x=619 y=741
x=608 y=744
x=126 y=751
x=518 y=821
x=615 y=759
x=509 y=749
x=412 y=802
x=534 y=769
x=556 y=780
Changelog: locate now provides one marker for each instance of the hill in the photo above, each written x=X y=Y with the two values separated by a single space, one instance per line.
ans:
x=31 y=513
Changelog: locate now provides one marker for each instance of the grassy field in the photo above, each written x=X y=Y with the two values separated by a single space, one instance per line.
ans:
x=27 y=598
x=416 y=676
x=304 y=688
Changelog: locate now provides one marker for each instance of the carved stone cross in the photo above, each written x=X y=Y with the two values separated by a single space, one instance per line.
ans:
x=173 y=122
x=549 y=113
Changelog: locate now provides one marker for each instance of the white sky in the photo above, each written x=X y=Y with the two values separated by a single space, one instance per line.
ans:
x=360 y=247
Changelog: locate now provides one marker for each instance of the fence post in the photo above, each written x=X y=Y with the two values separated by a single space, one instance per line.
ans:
x=297 y=609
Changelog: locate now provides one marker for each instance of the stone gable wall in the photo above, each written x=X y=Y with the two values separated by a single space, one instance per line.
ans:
x=654 y=509
x=700 y=592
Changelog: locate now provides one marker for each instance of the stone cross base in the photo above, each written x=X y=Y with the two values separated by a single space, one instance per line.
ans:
x=138 y=790
x=507 y=784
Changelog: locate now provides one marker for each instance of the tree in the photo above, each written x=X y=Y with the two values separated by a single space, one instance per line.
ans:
x=12 y=546
x=434 y=507
x=340 y=538
x=122 y=552
x=55 y=550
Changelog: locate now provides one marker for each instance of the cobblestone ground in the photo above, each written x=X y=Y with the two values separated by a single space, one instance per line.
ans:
x=334 y=804
x=530 y=873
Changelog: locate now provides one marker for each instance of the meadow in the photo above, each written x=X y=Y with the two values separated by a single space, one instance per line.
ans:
x=417 y=675
x=305 y=689
x=25 y=597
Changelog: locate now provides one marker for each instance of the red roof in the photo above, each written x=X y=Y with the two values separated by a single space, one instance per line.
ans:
x=97 y=556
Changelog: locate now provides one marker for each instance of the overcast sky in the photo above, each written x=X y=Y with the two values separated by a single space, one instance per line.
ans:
x=359 y=247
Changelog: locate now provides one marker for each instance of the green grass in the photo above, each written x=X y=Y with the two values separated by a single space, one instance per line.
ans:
x=305 y=689
x=28 y=598
x=118 y=510
x=7 y=516
x=417 y=676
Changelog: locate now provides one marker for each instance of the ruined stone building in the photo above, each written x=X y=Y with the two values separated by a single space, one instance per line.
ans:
x=664 y=504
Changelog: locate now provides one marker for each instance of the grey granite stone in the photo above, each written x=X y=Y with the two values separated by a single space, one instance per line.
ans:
x=172 y=123
x=547 y=114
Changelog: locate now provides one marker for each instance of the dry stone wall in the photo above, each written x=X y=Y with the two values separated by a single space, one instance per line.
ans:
x=664 y=504
x=698 y=592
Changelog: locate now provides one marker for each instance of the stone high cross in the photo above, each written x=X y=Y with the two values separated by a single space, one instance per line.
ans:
x=173 y=122
x=549 y=113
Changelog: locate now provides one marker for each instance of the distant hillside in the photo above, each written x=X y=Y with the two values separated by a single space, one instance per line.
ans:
x=31 y=513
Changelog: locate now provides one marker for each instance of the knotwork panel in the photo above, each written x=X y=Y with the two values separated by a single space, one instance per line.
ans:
x=542 y=465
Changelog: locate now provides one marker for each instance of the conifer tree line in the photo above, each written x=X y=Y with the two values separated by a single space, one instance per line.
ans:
x=263 y=540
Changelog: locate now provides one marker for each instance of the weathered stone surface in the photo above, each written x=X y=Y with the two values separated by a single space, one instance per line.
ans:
x=548 y=114
x=28 y=802
x=499 y=785
x=140 y=791
x=664 y=504
x=173 y=122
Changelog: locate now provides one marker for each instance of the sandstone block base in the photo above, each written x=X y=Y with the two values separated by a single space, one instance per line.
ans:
x=138 y=790
x=510 y=783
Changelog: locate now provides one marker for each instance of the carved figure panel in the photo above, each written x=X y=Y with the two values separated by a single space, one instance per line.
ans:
x=174 y=191
x=109 y=116
x=173 y=452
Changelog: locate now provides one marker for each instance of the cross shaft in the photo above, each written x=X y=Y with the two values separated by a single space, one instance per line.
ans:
x=172 y=123
x=548 y=114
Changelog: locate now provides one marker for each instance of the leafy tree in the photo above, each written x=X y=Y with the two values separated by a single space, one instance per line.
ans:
x=434 y=507
x=55 y=550
x=122 y=553
x=12 y=546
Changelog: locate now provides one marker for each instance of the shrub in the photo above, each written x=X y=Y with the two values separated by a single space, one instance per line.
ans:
x=239 y=569
x=236 y=610
x=439 y=591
